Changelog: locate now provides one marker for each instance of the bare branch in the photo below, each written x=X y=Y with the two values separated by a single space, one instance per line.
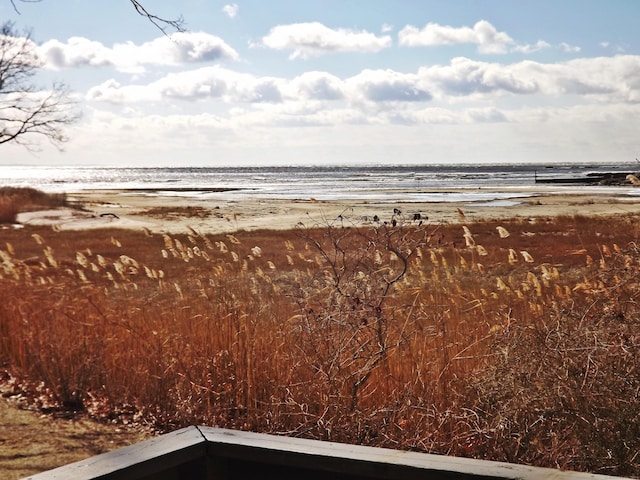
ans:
x=161 y=23
x=13 y=3
x=28 y=112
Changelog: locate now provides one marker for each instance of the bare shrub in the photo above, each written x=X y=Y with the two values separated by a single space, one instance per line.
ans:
x=349 y=321
x=14 y=200
x=8 y=210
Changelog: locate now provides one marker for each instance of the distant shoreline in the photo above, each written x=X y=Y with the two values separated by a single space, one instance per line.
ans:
x=160 y=213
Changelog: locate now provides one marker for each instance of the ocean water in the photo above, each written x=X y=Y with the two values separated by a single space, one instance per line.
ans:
x=408 y=183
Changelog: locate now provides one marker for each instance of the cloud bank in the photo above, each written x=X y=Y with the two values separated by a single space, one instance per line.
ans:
x=314 y=39
x=483 y=34
x=181 y=48
x=603 y=79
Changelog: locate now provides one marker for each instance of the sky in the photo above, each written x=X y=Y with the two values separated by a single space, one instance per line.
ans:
x=307 y=82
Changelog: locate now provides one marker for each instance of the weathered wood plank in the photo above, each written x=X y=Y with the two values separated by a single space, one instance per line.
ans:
x=213 y=453
x=368 y=462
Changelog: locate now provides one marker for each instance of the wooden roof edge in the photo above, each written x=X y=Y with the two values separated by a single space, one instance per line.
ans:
x=194 y=443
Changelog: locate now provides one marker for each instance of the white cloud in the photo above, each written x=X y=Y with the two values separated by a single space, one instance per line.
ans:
x=603 y=78
x=486 y=115
x=317 y=86
x=386 y=28
x=205 y=83
x=375 y=86
x=483 y=34
x=433 y=133
x=464 y=77
x=387 y=86
x=179 y=49
x=567 y=48
x=617 y=48
x=539 y=45
x=314 y=39
x=462 y=92
x=231 y=10
x=77 y=51
x=487 y=38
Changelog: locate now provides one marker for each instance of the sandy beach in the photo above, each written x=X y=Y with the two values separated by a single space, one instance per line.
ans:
x=165 y=212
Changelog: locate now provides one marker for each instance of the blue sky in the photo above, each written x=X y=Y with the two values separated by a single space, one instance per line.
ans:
x=256 y=82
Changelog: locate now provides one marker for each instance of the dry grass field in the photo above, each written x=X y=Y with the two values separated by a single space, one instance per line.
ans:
x=514 y=340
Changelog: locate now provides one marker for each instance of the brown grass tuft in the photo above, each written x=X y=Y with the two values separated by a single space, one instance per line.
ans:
x=14 y=200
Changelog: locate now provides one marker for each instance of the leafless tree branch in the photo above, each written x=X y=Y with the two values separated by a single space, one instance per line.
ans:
x=162 y=24
x=27 y=112
x=13 y=3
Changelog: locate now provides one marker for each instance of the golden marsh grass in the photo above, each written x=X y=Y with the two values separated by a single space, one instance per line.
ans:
x=513 y=340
